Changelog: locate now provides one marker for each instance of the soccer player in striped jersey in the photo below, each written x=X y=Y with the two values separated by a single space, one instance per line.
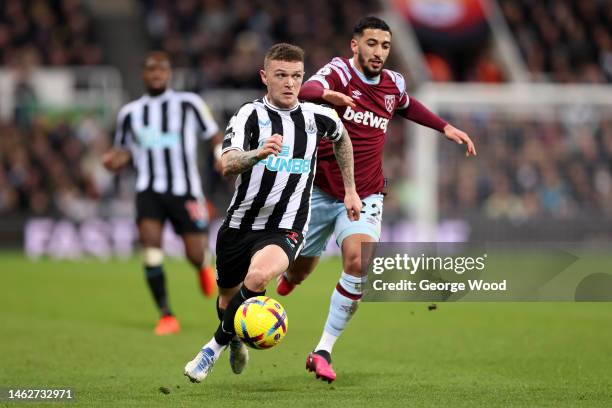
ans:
x=366 y=96
x=158 y=133
x=271 y=144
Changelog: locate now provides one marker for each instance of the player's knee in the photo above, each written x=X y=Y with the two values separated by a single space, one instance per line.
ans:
x=195 y=257
x=352 y=264
x=257 y=278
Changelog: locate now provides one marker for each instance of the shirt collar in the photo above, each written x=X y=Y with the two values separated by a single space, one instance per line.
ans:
x=276 y=108
x=370 y=81
x=162 y=95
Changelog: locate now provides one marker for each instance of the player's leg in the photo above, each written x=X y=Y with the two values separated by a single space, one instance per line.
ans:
x=349 y=289
x=320 y=228
x=199 y=256
x=266 y=264
x=296 y=274
x=239 y=354
x=150 y=232
x=232 y=267
x=271 y=255
x=189 y=217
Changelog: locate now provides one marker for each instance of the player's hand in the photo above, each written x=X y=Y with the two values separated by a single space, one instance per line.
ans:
x=272 y=145
x=352 y=203
x=338 y=98
x=460 y=137
x=115 y=159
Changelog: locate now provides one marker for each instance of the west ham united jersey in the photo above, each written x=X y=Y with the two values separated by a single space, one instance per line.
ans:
x=376 y=100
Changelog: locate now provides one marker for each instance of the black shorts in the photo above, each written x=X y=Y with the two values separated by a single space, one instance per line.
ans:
x=236 y=247
x=185 y=213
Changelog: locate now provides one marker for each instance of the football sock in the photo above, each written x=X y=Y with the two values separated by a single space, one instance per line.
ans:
x=219 y=310
x=157 y=285
x=225 y=331
x=214 y=346
x=344 y=302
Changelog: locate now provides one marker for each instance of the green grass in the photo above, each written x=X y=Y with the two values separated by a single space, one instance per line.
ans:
x=88 y=325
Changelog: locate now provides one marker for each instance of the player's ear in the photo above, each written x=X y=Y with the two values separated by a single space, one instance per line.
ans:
x=262 y=74
x=354 y=45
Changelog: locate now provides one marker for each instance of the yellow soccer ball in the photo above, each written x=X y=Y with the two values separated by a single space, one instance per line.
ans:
x=261 y=322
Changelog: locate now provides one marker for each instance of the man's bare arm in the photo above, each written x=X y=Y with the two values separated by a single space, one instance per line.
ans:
x=236 y=162
x=343 y=150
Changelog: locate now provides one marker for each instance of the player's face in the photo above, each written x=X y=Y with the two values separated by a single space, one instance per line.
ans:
x=156 y=74
x=283 y=79
x=372 y=49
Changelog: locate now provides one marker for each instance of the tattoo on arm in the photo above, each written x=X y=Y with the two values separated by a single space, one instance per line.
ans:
x=343 y=150
x=236 y=162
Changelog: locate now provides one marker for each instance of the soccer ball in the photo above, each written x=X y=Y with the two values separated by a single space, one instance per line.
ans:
x=261 y=322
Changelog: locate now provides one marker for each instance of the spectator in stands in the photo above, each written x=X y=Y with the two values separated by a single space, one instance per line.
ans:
x=563 y=41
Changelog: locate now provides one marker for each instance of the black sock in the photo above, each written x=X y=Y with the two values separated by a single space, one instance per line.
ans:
x=157 y=285
x=225 y=331
x=220 y=311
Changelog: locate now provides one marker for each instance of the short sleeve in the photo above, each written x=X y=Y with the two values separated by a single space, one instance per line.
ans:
x=240 y=128
x=403 y=99
x=123 y=131
x=331 y=124
x=207 y=122
x=334 y=76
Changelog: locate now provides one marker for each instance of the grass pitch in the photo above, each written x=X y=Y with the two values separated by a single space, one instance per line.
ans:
x=88 y=325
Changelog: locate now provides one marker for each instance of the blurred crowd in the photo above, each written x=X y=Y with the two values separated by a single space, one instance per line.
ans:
x=563 y=40
x=225 y=41
x=53 y=168
x=47 y=32
x=534 y=166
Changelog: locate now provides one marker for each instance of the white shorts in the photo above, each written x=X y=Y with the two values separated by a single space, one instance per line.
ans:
x=328 y=215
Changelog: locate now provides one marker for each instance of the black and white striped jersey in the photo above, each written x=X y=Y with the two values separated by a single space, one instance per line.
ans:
x=275 y=192
x=161 y=133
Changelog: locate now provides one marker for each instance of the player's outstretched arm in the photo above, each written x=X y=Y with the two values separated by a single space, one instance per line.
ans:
x=343 y=150
x=115 y=159
x=418 y=113
x=235 y=162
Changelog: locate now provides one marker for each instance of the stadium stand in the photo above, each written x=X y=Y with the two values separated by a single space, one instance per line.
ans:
x=563 y=41
x=54 y=33
x=223 y=41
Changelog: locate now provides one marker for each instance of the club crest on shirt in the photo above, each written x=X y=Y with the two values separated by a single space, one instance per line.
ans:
x=311 y=126
x=390 y=102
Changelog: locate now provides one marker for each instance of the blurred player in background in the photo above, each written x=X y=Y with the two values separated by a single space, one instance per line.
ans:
x=271 y=143
x=158 y=133
x=366 y=96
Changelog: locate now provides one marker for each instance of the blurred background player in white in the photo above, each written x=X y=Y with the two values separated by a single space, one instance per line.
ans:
x=158 y=132
x=271 y=144
x=366 y=96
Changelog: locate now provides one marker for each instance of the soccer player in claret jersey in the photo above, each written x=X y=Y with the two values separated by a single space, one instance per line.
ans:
x=366 y=96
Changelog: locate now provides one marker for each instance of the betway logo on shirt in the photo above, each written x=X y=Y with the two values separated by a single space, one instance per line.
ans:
x=366 y=118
